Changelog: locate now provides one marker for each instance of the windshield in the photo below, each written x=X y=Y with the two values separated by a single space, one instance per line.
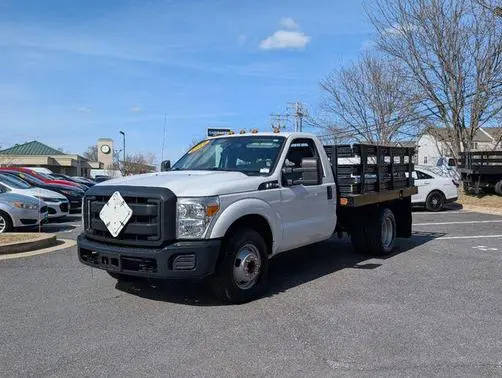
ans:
x=31 y=179
x=246 y=154
x=14 y=182
x=44 y=175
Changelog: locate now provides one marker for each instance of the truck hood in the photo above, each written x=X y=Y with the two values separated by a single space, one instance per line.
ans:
x=194 y=183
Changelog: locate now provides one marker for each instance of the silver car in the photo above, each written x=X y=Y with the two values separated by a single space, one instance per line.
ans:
x=57 y=203
x=18 y=210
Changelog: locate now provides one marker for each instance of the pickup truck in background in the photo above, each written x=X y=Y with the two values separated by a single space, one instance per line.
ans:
x=233 y=202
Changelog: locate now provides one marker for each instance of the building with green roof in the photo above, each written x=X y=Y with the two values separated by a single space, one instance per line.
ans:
x=37 y=154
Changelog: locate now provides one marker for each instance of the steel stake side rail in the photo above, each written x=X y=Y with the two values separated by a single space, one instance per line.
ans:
x=375 y=173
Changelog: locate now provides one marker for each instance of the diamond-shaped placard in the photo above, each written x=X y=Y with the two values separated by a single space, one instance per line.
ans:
x=115 y=214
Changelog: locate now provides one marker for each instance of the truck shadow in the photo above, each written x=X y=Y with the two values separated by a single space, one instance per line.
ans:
x=286 y=271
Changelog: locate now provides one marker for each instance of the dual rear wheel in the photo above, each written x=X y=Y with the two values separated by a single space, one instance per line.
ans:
x=376 y=235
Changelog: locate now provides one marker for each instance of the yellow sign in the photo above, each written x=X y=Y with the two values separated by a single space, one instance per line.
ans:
x=197 y=147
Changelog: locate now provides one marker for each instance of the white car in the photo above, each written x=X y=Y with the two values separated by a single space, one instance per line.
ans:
x=46 y=171
x=435 y=188
x=57 y=204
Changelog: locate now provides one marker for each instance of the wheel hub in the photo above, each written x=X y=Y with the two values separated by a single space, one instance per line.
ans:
x=387 y=232
x=247 y=266
x=3 y=224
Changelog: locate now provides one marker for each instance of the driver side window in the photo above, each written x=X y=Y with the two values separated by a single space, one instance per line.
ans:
x=299 y=149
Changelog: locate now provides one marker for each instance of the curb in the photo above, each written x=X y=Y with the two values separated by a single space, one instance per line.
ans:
x=62 y=244
x=41 y=240
x=482 y=209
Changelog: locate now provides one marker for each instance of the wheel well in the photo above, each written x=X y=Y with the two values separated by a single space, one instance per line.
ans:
x=7 y=216
x=257 y=223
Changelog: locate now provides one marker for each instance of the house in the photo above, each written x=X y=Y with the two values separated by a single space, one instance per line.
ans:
x=37 y=154
x=433 y=144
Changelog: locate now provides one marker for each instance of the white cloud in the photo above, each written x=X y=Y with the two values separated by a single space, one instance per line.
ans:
x=289 y=36
x=398 y=30
x=368 y=45
x=288 y=23
x=83 y=109
x=285 y=39
x=136 y=109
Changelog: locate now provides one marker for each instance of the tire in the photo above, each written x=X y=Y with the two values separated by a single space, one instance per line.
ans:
x=381 y=233
x=5 y=222
x=498 y=188
x=242 y=273
x=435 y=201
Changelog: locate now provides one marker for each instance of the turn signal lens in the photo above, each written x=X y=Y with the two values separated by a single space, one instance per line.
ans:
x=344 y=201
x=212 y=209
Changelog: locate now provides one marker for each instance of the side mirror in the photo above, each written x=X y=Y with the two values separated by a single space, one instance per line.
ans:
x=308 y=174
x=165 y=165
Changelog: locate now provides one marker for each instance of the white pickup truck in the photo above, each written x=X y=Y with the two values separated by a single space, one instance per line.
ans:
x=233 y=202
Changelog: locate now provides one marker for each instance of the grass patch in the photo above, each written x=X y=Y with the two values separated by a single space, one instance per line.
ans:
x=16 y=238
x=485 y=200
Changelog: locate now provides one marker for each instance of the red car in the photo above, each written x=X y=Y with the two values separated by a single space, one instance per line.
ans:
x=40 y=176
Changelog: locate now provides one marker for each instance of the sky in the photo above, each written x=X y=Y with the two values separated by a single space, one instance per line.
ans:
x=74 y=71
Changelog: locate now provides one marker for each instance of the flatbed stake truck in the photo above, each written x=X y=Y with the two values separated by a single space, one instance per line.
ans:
x=233 y=202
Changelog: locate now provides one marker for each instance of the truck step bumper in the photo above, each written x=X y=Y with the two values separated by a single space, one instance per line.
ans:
x=184 y=259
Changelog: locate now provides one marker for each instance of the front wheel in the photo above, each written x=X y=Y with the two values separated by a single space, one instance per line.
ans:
x=242 y=274
x=5 y=223
x=435 y=201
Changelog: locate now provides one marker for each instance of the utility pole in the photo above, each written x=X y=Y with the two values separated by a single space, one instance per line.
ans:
x=123 y=149
x=298 y=111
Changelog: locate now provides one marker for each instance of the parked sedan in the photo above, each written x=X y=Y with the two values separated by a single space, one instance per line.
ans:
x=434 y=188
x=18 y=210
x=73 y=194
x=57 y=203
x=41 y=176
x=76 y=180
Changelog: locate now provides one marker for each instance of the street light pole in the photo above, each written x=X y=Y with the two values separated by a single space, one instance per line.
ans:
x=123 y=149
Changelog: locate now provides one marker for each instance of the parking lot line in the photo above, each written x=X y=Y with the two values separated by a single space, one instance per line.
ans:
x=442 y=212
x=463 y=222
x=468 y=237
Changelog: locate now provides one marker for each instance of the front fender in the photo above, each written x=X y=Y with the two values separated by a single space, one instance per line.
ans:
x=243 y=207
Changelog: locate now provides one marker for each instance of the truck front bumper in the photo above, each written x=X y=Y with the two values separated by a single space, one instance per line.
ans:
x=182 y=259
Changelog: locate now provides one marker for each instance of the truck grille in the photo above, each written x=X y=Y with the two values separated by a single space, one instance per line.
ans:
x=153 y=215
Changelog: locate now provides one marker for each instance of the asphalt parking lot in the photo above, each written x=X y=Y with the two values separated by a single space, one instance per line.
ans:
x=434 y=307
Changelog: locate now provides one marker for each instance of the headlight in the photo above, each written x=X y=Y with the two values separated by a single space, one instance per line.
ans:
x=68 y=192
x=26 y=206
x=193 y=216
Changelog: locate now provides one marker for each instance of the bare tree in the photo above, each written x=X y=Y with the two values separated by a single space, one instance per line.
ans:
x=92 y=153
x=369 y=101
x=136 y=164
x=452 y=51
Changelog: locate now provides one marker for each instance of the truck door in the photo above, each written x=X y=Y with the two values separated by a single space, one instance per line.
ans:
x=307 y=211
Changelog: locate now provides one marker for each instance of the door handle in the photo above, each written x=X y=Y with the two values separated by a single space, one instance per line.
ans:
x=330 y=192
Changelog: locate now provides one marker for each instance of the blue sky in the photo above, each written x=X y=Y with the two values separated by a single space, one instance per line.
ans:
x=74 y=71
